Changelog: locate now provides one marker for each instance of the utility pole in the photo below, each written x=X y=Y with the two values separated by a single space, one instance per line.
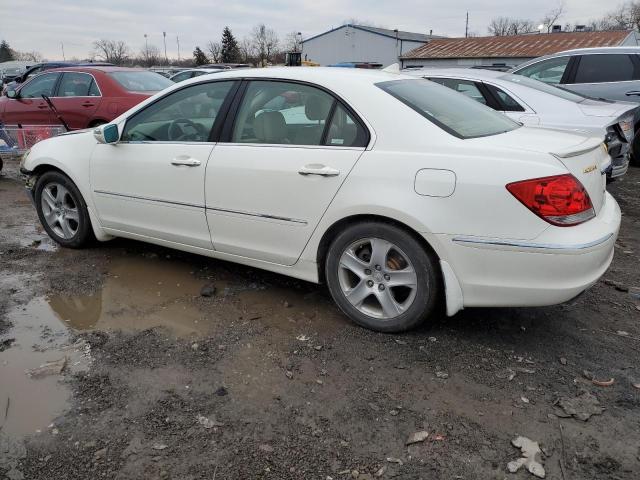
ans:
x=146 y=45
x=466 y=27
x=178 y=42
x=62 y=45
x=164 y=36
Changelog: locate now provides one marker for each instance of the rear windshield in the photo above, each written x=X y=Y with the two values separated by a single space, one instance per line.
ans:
x=543 y=87
x=457 y=114
x=141 y=81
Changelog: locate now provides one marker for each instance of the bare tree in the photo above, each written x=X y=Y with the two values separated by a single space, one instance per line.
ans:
x=292 y=42
x=215 y=51
x=150 y=56
x=112 y=51
x=265 y=43
x=502 y=26
x=625 y=17
x=32 y=56
x=247 y=52
x=551 y=17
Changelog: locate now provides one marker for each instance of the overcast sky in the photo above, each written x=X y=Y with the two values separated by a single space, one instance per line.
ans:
x=43 y=25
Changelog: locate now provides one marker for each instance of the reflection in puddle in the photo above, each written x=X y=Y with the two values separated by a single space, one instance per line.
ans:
x=31 y=403
x=136 y=295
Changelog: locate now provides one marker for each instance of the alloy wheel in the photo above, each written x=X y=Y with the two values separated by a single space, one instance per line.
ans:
x=60 y=210
x=377 y=278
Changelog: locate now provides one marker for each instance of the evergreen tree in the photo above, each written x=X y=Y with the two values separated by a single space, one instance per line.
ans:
x=230 y=52
x=6 y=54
x=199 y=57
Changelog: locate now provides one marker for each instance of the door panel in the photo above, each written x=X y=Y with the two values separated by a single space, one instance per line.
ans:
x=260 y=206
x=138 y=189
x=152 y=182
x=30 y=108
x=77 y=99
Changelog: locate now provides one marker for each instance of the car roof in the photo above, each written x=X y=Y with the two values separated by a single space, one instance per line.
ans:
x=320 y=75
x=454 y=72
x=99 y=68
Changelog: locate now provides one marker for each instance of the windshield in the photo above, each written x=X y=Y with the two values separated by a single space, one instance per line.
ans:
x=544 y=87
x=141 y=81
x=456 y=114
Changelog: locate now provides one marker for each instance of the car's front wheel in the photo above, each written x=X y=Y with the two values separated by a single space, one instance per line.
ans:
x=62 y=210
x=382 y=277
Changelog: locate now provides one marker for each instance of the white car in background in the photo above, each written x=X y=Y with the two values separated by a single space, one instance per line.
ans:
x=183 y=75
x=535 y=103
x=397 y=192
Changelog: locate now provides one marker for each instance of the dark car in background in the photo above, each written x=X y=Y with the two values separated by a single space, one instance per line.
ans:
x=610 y=73
x=84 y=96
x=41 y=67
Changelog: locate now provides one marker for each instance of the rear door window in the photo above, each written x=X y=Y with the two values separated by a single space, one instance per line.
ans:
x=75 y=84
x=345 y=131
x=282 y=113
x=547 y=71
x=599 y=68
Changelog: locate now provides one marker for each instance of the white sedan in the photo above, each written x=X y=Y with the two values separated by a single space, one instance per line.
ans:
x=535 y=103
x=397 y=192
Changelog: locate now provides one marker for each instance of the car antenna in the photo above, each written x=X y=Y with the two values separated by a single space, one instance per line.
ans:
x=55 y=111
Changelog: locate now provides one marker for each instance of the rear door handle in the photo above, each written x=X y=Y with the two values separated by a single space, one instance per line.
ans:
x=88 y=104
x=185 y=162
x=318 y=169
x=42 y=107
x=633 y=93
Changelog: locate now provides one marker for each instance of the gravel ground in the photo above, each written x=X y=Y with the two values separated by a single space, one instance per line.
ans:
x=266 y=379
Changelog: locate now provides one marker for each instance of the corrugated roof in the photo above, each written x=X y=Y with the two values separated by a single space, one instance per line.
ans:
x=526 y=46
x=409 y=36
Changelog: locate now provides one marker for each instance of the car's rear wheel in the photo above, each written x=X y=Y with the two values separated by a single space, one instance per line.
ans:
x=62 y=210
x=382 y=277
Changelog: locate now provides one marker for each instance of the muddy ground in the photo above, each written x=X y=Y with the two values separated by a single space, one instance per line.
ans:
x=266 y=379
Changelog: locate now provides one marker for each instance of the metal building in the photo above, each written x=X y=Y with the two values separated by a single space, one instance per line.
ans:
x=359 y=43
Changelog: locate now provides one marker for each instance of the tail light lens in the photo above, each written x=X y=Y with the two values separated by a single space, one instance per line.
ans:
x=560 y=200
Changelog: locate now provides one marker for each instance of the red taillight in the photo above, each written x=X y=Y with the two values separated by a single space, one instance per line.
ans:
x=560 y=200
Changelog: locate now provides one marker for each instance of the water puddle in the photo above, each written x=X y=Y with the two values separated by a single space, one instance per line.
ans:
x=35 y=352
x=138 y=293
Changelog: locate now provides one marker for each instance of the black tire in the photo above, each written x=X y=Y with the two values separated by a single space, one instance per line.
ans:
x=83 y=235
x=424 y=263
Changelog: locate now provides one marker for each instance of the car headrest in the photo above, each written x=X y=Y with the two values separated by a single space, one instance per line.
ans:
x=317 y=108
x=270 y=127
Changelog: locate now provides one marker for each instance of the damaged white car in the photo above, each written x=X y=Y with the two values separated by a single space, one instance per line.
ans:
x=397 y=192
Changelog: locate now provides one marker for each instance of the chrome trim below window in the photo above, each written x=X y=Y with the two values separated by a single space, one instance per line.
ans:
x=531 y=245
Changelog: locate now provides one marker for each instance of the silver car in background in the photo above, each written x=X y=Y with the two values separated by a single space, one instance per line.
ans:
x=611 y=73
x=537 y=104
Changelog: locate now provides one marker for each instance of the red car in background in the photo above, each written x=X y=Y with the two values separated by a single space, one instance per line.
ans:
x=83 y=96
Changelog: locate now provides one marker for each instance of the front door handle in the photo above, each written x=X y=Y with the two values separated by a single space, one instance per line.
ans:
x=42 y=106
x=633 y=93
x=318 y=169
x=185 y=162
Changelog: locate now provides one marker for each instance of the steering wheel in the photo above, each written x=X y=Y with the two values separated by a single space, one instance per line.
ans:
x=177 y=132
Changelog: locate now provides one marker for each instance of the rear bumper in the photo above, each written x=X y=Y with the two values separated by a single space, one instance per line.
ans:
x=553 y=268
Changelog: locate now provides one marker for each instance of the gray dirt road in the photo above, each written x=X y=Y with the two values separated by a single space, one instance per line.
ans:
x=266 y=379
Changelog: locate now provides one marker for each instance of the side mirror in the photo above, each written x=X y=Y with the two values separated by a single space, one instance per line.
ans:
x=11 y=93
x=107 y=133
